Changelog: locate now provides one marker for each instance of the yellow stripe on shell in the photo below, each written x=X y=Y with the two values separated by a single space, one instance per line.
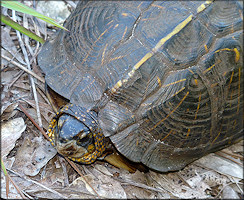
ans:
x=176 y=30
x=203 y=6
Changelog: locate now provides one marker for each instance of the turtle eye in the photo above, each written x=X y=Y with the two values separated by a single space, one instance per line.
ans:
x=84 y=141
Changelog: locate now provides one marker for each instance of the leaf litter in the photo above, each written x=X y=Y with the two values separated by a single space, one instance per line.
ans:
x=39 y=172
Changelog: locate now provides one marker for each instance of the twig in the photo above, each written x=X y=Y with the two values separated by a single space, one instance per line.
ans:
x=79 y=172
x=35 y=182
x=28 y=66
x=33 y=121
x=183 y=180
x=43 y=95
x=226 y=157
x=126 y=181
x=8 y=178
x=15 y=79
x=231 y=154
x=33 y=105
x=23 y=68
x=234 y=180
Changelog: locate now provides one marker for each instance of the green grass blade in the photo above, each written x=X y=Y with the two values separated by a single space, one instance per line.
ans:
x=15 y=5
x=20 y=28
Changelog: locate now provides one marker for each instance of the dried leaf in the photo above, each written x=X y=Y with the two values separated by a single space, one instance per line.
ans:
x=221 y=165
x=7 y=44
x=104 y=185
x=229 y=193
x=8 y=110
x=33 y=155
x=11 y=131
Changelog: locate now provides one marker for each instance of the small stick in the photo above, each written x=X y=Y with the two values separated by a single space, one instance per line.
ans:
x=79 y=172
x=33 y=121
x=28 y=66
x=23 y=68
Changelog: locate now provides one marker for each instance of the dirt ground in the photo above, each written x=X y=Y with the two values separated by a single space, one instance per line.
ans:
x=34 y=168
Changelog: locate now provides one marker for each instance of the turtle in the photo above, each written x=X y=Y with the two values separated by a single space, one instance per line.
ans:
x=160 y=81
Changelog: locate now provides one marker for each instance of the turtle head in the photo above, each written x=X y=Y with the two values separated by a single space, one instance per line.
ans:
x=75 y=133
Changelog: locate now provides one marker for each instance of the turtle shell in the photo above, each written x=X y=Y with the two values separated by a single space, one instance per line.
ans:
x=165 y=77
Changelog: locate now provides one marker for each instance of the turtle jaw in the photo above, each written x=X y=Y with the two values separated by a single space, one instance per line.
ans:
x=70 y=149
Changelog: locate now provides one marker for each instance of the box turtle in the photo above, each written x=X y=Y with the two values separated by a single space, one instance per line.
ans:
x=161 y=80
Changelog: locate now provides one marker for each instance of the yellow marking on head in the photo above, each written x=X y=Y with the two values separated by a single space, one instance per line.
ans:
x=170 y=112
x=203 y=6
x=198 y=105
x=188 y=132
x=90 y=148
x=181 y=80
x=159 y=81
x=237 y=55
x=208 y=69
x=206 y=48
